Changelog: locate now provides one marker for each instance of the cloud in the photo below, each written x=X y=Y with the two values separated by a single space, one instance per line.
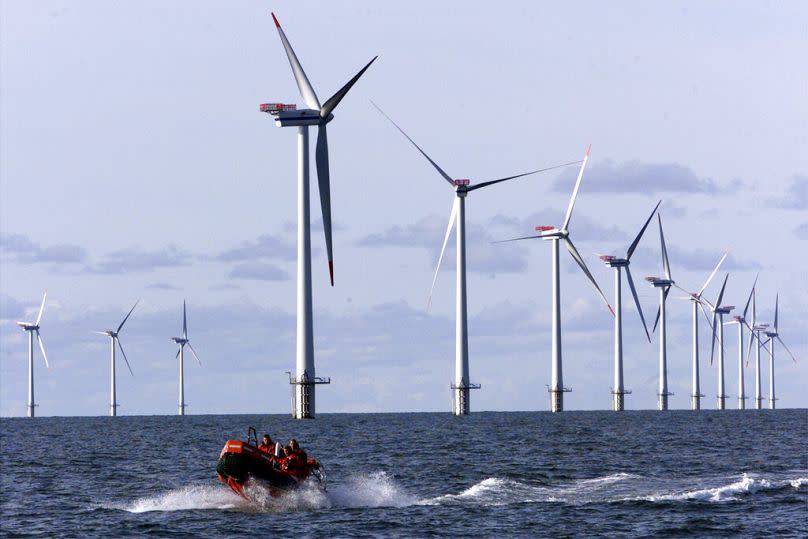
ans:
x=263 y=247
x=802 y=231
x=637 y=177
x=21 y=249
x=10 y=308
x=161 y=286
x=795 y=197
x=691 y=260
x=259 y=271
x=428 y=233
x=581 y=227
x=135 y=259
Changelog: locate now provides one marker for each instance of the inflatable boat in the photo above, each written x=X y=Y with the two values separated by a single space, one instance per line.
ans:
x=241 y=461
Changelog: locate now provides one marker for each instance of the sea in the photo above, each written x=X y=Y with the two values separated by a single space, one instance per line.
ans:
x=490 y=474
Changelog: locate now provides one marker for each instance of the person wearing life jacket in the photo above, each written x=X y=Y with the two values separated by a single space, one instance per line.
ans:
x=296 y=460
x=267 y=446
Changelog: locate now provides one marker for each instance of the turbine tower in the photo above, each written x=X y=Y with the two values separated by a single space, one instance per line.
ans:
x=113 y=339
x=698 y=303
x=741 y=321
x=772 y=335
x=754 y=334
x=289 y=116
x=182 y=342
x=664 y=286
x=555 y=236
x=461 y=402
x=33 y=328
x=618 y=390
x=718 y=327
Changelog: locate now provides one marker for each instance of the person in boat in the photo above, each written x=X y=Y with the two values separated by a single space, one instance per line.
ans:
x=266 y=445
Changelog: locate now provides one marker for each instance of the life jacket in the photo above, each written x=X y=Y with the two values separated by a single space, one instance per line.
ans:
x=266 y=448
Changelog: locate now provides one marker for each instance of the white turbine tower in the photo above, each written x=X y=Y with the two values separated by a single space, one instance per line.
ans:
x=289 y=116
x=718 y=328
x=741 y=321
x=664 y=286
x=619 y=390
x=182 y=342
x=33 y=328
x=556 y=235
x=461 y=403
x=772 y=335
x=698 y=303
x=754 y=334
x=113 y=339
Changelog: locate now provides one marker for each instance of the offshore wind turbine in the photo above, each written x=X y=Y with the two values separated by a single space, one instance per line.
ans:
x=113 y=339
x=664 y=286
x=754 y=334
x=555 y=236
x=290 y=116
x=182 y=342
x=772 y=335
x=698 y=303
x=718 y=328
x=33 y=328
x=741 y=321
x=618 y=390
x=461 y=402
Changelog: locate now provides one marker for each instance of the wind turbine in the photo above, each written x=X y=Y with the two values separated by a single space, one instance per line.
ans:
x=741 y=321
x=754 y=334
x=618 y=391
x=556 y=235
x=461 y=404
x=718 y=327
x=182 y=342
x=698 y=303
x=32 y=328
x=319 y=115
x=772 y=335
x=113 y=339
x=664 y=286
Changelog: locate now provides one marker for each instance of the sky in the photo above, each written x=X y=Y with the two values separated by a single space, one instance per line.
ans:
x=134 y=163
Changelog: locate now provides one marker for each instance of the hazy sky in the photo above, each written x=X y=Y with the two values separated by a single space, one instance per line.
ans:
x=135 y=164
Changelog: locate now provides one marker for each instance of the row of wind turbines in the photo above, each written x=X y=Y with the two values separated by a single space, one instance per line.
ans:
x=305 y=380
x=32 y=329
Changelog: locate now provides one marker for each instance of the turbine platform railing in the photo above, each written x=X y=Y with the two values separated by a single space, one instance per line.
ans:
x=461 y=403
x=618 y=400
x=306 y=383
x=556 y=399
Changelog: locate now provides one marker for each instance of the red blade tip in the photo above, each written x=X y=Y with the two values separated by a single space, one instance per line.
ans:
x=588 y=149
x=276 y=20
x=331 y=271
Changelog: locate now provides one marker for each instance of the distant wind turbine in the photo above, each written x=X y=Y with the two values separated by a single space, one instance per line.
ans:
x=772 y=335
x=754 y=334
x=619 y=391
x=698 y=303
x=664 y=286
x=741 y=321
x=113 y=339
x=718 y=329
x=556 y=235
x=461 y=402
x=182 y=342
x=319 y=115
x=33 y=328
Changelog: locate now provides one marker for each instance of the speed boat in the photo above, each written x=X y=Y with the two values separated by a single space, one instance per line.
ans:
x=241 y=461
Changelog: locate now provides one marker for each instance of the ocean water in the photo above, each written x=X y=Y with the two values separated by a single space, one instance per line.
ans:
x=535 y=474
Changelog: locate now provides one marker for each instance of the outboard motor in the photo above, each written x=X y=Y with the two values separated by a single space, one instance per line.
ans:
x=277 y=450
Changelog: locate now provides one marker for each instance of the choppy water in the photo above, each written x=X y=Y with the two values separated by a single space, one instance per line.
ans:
x=506 y=474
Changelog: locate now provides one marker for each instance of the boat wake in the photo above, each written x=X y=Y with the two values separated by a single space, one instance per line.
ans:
x=378 y=489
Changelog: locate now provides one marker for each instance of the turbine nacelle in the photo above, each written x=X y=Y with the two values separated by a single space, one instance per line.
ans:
x=613 y=261
x=548 y=232
x=179 y=340
x=659 y=282
x=28 y=326
x=724 y=309
x=291 y=117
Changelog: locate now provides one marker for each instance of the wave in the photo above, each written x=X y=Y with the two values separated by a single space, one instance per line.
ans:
x=378 y=489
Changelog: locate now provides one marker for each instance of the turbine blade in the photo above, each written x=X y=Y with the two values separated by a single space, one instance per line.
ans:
x=184 y=322
x=194 y=353
x=434 y=164
x=710 y=278
x=104 y=333
x=41 y=308
x=637 y=302
x=452 y=217
x=642 y=230
x=178 y=352
x=665 y=262
x=721 y=293
x=128 y=366
x=749 y=299
x=517 y=239
x=127 y=316
x=751 y=342
x=574 y=252
x=659 y=309
x=324 y=182
x=706 y=316
x=42 y=347
x=303 y=84
x=776 y=305
x=334 y=100
x=492 y=182
x=787 y=349
x=575 y=190
x=712 y=347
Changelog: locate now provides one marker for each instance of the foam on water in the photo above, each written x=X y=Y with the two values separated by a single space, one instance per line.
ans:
x=186 y=498
x=747 y=484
